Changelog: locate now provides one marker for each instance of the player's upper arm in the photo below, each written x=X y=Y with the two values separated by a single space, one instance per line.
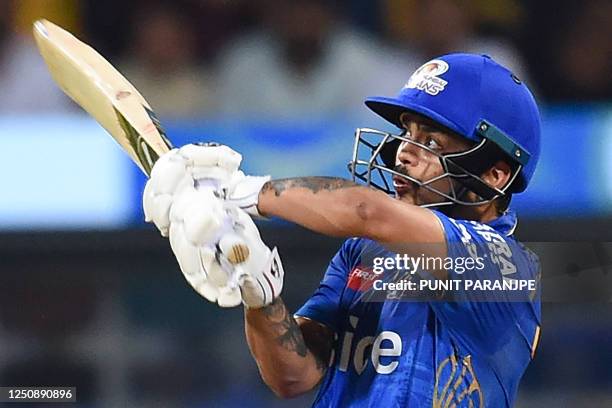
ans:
x=404 y=227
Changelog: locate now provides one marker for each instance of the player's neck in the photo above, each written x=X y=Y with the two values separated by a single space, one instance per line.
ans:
x=482 y=213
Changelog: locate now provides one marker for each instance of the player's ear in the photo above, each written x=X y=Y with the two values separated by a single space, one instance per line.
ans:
x=498 y=175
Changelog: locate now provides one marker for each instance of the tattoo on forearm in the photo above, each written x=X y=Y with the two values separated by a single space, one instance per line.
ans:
x=314 y=184
x=289 y=333
x=316 y=339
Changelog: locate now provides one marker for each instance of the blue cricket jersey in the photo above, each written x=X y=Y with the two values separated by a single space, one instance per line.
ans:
x=434 y=353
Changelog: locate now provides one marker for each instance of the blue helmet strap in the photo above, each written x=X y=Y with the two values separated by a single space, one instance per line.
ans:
x=513 y=150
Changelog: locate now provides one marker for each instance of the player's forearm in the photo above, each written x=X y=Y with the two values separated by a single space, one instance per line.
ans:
x=331 y=206
x=276 y=342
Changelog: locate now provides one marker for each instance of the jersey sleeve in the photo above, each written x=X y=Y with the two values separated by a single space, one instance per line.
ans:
x=474 y=315
x=325 y=305
x=479 y=252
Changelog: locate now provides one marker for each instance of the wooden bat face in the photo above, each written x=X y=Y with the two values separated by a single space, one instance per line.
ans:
x=95 y=85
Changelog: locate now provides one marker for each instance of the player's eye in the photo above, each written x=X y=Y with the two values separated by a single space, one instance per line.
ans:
x=433 y=144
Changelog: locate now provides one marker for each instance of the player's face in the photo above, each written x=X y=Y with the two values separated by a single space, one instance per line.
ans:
x=421 y=164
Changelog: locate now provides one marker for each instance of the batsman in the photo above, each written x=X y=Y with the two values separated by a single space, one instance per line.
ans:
x=469 y=138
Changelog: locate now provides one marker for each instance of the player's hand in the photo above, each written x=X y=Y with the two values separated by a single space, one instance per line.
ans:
x=190 y=167
x=199 y=223
x=261 y=276
x=217 y=166
x=220 y=251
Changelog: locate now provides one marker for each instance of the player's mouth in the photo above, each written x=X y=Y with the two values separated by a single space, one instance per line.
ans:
x=403 y=186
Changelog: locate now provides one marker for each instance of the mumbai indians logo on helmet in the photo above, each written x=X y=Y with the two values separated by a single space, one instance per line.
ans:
x=426 y=77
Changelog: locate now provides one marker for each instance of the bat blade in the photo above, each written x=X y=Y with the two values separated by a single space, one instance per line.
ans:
x=95 y=85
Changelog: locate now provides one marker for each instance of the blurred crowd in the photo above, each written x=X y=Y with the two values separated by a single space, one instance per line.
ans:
x=291 y=59
x=139 y=336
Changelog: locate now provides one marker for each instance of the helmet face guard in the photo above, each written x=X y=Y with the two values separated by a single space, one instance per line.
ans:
x=373 y=162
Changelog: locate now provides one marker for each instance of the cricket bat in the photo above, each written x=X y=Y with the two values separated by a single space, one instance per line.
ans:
x=95 y=85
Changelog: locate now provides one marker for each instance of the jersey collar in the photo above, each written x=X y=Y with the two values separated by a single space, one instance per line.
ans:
x=505 y=223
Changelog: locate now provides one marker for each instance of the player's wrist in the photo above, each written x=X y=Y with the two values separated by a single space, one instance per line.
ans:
x=271 y=309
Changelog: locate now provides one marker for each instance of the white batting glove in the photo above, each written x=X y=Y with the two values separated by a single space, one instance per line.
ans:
x=261 y=276
x=243 y=192
x=167 y=176
x=191 y=166
x=217 y=166
x=198 y=221
x=220 y=252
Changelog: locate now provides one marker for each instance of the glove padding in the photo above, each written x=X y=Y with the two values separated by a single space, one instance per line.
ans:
x=194 y=196
x=191 y=166
x=198 y=166
x=261 y=276
x=220 y=252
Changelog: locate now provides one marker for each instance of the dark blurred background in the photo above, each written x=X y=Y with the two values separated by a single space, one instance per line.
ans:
x=91 y=297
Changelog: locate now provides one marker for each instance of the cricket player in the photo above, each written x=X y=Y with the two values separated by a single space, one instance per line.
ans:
x=469 y=138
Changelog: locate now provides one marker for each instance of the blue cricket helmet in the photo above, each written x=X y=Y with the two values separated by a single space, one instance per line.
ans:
x=477 y=98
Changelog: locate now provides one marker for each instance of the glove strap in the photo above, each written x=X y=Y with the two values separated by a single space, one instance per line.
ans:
x=246 y=194
x=270 y=281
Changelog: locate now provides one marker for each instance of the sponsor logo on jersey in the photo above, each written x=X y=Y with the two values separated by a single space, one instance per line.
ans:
x=380 y=352
x=426 y=77
x=362 y=278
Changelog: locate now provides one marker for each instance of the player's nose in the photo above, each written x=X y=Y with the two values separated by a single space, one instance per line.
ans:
x=407 y=155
